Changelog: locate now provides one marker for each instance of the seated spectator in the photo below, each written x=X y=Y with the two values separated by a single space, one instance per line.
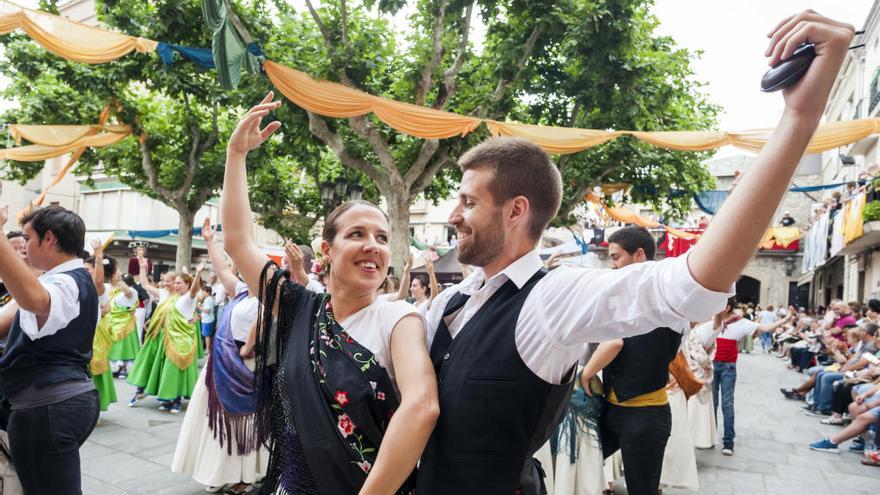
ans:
x=865 y=411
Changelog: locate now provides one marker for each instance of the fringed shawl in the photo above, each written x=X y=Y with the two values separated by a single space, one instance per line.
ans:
x=230 y=383
x=317 y=390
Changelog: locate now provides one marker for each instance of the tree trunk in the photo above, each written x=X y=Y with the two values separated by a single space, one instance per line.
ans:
x=398 y=213
x=184 y=239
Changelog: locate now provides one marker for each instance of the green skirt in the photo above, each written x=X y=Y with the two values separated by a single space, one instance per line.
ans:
x=106 y=389
x=158 y=376
x=126 y=349
x=200 y=341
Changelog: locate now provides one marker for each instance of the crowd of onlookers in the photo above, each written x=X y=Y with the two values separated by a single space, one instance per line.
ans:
x=836 y=348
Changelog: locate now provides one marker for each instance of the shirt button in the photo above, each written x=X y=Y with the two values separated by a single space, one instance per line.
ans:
x=446 y=357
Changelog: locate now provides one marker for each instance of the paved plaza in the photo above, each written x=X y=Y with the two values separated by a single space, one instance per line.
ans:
x=131 y=451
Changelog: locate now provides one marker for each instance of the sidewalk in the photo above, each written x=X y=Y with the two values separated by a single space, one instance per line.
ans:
x=130 y=453
x=772 y=437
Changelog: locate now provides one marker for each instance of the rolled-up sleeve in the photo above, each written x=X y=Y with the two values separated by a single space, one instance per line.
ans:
x=64 y=308
x=594 y=305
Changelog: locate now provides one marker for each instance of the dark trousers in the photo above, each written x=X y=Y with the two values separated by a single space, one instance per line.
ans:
x=641 y=434
x=801 y=358
x=842 y=398
x=45 y=441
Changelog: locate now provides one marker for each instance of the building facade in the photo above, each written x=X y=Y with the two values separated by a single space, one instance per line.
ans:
x=851 y=273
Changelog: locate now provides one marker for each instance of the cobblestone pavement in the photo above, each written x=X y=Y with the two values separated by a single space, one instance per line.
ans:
x=772 y=437
x=131 y=451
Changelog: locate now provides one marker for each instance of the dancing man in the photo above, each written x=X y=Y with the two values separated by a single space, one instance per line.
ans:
x=50 y=326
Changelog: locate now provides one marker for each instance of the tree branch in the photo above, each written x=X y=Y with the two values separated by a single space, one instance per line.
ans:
x=564 y=160
x=424 y=85
x=150 y=169
x=528 y=46
x=328 y=39
x=343 y=13
x=451 y=74
x=367 y=131
x=319 y=129
x=237 y=24
x=428 y=149
x=424 y=180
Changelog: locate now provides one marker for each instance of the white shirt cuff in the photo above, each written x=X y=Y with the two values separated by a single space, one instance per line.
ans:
x=687 y=297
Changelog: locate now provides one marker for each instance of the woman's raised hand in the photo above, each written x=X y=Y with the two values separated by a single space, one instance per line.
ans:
x=207 y=231
x=248 y=135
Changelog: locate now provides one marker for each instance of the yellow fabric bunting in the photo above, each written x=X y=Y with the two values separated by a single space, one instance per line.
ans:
x=69 y=39
x=783 y=236
x=335 y=100
x=39 y=152
x=557 y=140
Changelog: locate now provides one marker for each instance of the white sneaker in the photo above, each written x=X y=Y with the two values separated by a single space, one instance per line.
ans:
x=727 y=451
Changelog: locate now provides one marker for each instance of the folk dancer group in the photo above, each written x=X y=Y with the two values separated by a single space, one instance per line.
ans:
x=351 y=392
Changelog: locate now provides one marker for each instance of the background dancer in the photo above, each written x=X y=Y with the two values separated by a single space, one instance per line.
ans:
x=48 y=349
x=214 y=445
x=637 y=418
x=166 y=365
x=730 y=329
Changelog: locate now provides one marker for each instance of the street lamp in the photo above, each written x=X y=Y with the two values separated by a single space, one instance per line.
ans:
x=789 y=265
x=335 y=192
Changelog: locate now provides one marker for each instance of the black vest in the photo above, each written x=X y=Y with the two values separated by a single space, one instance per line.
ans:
x=643 y=364
x=494 y=411
x=61 y=357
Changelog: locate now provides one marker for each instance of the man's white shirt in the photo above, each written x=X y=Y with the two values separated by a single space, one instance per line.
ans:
x=572 y=307
x=64 y=297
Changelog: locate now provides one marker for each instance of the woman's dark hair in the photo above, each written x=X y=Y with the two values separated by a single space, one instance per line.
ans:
x=109 y=267
x=128 y=280
x=67 y=226
x=331 y=227
x=423 y=279
x=207 y=289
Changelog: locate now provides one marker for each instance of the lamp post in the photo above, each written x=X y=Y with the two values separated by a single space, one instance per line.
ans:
x=333 y=193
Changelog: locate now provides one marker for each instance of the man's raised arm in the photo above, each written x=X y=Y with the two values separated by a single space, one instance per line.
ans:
x=718 y=259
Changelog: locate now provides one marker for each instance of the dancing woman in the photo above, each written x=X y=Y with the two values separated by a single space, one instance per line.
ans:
x=344 y=384
x=99 y=366
x=214 y=447
x=166 y=365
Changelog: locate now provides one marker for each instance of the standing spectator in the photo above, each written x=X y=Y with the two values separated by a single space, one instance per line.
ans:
x=206 y=312
x=766 y=317
x=787 y=220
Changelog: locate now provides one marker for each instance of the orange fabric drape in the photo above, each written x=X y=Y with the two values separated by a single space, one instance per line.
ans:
x=335 y=100
x=69 y=39
x=625 y=215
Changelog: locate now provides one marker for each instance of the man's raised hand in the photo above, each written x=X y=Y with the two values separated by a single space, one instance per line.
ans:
x=248 y=135
x=832 y=40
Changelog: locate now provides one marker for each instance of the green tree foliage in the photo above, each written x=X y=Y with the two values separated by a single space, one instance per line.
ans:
x=180 y=116
x=582 y=63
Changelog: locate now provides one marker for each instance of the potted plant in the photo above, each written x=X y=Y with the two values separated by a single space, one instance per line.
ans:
x=871 y=216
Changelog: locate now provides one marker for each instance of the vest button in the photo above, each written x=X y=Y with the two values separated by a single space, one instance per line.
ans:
x=446 y=357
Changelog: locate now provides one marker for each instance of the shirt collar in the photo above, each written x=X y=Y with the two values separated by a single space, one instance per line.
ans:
x=519 y=272
x=66 y=266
